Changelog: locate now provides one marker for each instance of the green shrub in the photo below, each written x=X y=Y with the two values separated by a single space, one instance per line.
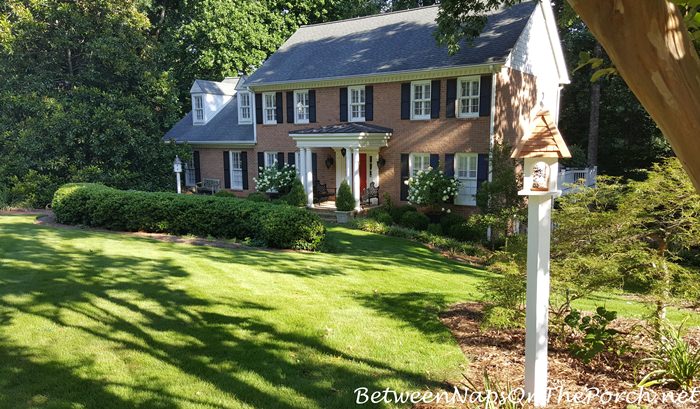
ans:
x=296 y=196
x=225 y=193
x=370 y=225
x=468 y=231
x=344 y=201
x=258 y=197
x=674 y=362
x=596 y=335
x=33 y=191
x=450 y=219
x=274 y=179
x=99 y=206
x=398 y=212
x=497 y=317
x=435 y=229
x=383 y=217
x=415 y=220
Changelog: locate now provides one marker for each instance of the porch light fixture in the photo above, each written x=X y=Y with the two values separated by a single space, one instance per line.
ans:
x=343 y=151
x=381 y=162
x=329 y=161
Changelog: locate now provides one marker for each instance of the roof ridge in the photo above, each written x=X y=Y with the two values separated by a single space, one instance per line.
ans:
x=380 y=14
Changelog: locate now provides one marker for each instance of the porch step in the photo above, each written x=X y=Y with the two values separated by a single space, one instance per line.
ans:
x=325 y=214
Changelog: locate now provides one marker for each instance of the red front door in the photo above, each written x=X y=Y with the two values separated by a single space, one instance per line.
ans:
x=363 y=172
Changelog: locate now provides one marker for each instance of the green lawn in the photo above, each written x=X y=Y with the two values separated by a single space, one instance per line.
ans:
x=103 y=320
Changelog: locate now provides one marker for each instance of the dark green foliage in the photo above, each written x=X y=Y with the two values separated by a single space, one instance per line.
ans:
x=398 y=212
x=296 y=196
x=225 y=193
x=258 y=197
x=434 y=228
x=344 y=201
x=595 y=335
x=383 y=217
x=468 y=230
x=100 y=206
x=450 y=219
x=415 y=220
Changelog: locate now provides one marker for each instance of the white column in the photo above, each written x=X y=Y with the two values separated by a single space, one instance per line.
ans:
x=309 y=179
x=348 y=166
x=302 y=167
x=537 y=300
x=356 y=177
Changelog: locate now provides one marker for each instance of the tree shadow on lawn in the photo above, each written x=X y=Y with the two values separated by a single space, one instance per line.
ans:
x=129 y=303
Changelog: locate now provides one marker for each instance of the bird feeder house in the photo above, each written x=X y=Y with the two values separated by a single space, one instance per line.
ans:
x=541 y=148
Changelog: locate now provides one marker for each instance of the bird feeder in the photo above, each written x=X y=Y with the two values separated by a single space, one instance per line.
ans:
x=177 y=168
x=541 y=150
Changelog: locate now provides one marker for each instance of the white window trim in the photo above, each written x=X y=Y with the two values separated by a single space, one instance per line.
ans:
x=296 y=103
x=274 y=161
x=190 y=172
x=350 y=104
x=232 y=169
x=195 y=98
x=411 y=161
x=458 y=103
x=475 y=158
x=413 y=100
x=241 y=120
x=266 y=108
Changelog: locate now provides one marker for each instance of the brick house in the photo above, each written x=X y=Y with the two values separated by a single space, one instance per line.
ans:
x=373 y=100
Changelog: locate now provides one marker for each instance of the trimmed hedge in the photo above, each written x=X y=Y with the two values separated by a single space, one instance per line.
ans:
x=277 y=226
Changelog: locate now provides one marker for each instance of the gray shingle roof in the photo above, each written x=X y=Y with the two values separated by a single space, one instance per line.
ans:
x=386 y=43
x=350 y=128
x=223 y=127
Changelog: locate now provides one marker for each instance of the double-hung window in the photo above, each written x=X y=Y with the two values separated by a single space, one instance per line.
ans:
x=270 y=159
x=420 y=100
x=198 y=109
x=301 y=107
x=468 y=97
x=236 y=171
x=356 y=103
x=190 y=173
x=245 y=111
x=269 y=108
x=466 y=172
x=418 y=162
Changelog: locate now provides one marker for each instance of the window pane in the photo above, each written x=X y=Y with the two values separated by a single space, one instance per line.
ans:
x=475 y=88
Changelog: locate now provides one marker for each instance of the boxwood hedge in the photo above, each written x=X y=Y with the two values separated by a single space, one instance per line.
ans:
x=96 y=205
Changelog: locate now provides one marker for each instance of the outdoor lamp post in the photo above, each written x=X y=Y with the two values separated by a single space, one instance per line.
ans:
x=541 y=150
x=177 y=168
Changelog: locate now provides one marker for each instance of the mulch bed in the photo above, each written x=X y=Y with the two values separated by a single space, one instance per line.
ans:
x=501 y=354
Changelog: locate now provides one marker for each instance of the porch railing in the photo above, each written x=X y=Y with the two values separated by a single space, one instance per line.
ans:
x=571 y=180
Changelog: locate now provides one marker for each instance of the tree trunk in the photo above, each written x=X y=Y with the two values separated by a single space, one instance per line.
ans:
x=650 y=46
x=594 y=118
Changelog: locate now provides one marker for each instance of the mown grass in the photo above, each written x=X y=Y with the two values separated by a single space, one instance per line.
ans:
x=105 y=320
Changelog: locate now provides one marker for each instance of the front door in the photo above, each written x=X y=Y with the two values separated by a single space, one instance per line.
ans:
x=363 y=172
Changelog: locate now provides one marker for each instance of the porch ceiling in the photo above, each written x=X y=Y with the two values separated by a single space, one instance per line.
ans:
x=345 y=135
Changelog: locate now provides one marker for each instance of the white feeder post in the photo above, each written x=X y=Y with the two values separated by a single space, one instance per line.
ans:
x=541 y=150
x=177 y=168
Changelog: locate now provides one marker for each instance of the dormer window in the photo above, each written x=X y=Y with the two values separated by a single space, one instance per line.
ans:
x=356 y=103
x=198 y=109
x=301 y=107
x=245 y=110
x=269 y=108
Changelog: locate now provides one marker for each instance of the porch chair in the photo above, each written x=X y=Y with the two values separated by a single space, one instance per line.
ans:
x=370 y=192
x=210 y=186
x=322 y=192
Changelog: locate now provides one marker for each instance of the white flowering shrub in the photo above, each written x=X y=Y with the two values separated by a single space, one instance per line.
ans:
x=431 y=188
x=272 y=179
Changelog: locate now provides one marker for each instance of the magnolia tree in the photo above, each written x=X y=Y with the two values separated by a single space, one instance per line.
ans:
x=431 y=188
x=277 y=180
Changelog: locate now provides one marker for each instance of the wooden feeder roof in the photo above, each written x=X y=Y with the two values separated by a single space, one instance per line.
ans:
x=544 y=140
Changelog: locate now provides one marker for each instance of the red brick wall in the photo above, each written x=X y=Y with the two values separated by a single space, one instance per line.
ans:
x=436 y=136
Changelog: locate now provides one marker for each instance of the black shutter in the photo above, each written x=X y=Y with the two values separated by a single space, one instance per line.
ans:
x=280 y=160
x=312 y=106
x=314 y=165
x=290 y=107
x=261 y=160
x=482 y=169
x=244 y=169
x=369 y=103
x=434 y=160
x=404 y=176
x=291 y=158
x=485 y=96
x=258 y=109
x=451 y=97
x=435 y=99
x=406 y=102
x=450 y=165
x=227 y=170
x=278 y=106
x=197 y=169
x=343 y=105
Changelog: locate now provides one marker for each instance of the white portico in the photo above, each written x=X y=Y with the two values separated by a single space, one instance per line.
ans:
x=356 y=147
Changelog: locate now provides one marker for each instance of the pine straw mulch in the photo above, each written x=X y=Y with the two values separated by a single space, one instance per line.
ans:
x=501 y=354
